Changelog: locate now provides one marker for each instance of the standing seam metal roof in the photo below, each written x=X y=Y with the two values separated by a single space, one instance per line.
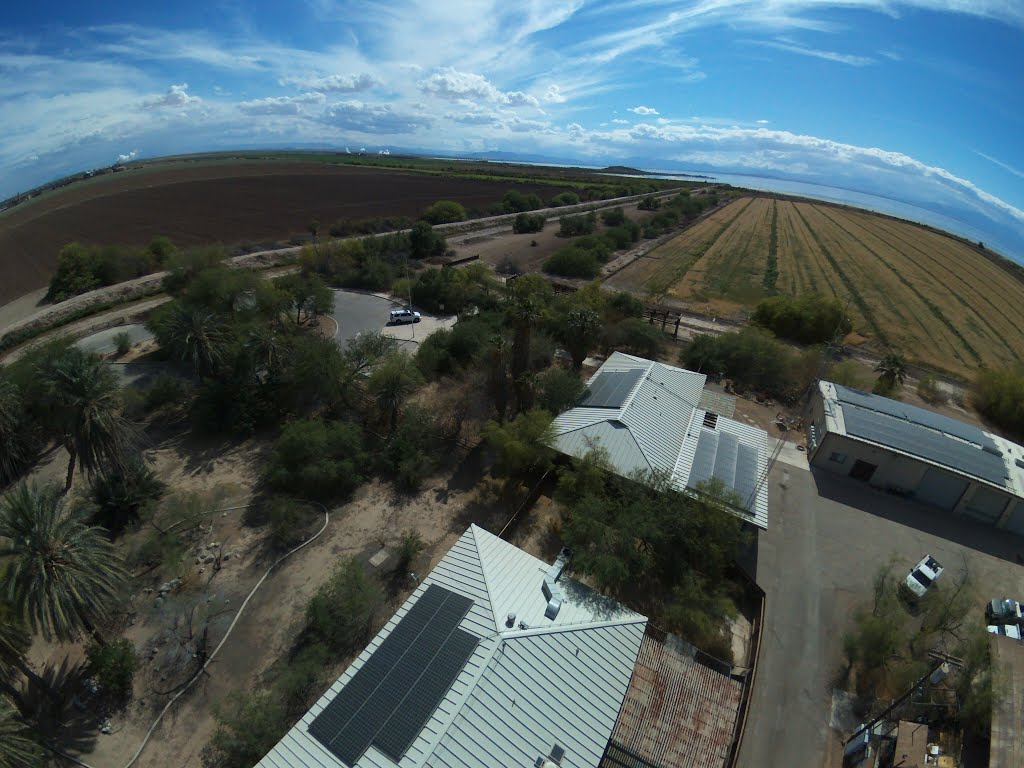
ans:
x=591 y=645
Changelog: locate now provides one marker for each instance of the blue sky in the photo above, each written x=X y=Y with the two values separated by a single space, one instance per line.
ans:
x=919 y=100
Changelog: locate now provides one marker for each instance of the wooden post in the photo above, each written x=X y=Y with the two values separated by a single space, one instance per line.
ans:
x=664 y=320
x=676 y=334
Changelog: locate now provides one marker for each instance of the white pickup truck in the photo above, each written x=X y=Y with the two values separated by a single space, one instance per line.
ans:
x=923 y=576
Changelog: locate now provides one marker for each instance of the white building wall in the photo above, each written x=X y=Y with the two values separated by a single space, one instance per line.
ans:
x=895 y=471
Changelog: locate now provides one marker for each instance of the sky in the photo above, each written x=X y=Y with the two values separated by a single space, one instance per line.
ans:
x=920 y=101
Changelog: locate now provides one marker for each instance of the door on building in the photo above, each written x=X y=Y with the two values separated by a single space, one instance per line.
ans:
x=1015 y=522
x=986 y=505
x=862 y=470
x=941 y=489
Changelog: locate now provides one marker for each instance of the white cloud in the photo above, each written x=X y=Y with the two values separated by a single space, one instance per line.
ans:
x=1005 y=166
x=620 y=121
x=554 y=95
x=643 y=110
x=177 y=96
x=817 y=53
x=124 y=158
x=762 y=122
x=449 y=83
x=333 y=83
x=280 y=105
x=373 y=118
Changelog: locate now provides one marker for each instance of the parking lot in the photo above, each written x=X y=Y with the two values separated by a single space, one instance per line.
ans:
x=827 y=538
x=356 y=313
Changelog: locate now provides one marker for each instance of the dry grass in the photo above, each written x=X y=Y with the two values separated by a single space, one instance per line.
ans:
x=938 y=300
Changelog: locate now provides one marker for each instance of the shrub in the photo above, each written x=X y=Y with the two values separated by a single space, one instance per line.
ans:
x=317 y=460
x=410 y=454
x=636 y=337
x=122 y=343
x=164 y=390
x=998 y=394
x=410 y=545
x=560 y=390
x=751 y=357
x=573 y=262
x=288 y=522
x=341 y=613
x=649 y=203
x=510 y=265
x=302 y=678
x=526 y=222
x=564 y=198
x=850 y=373
x=119 y=494
x=113 y=666
x=571 y=226
x=613 y=217
x=625 y=305
x=522 y=444
x=809 y=319
x=515 y=201
x=929 y=391
x=424 y=242
x=248 y=727
x=444 y=212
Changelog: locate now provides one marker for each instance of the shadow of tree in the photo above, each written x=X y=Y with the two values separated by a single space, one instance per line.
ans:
x=66 y=715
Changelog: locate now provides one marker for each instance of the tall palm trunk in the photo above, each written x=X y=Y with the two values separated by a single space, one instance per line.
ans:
x=71 y=466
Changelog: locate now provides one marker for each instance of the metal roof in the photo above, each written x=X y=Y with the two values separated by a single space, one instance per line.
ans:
x=964 y=448
x=520 y=691
x=658 y=428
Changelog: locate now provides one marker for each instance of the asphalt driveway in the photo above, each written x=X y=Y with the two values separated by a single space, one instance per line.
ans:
x=827 y=538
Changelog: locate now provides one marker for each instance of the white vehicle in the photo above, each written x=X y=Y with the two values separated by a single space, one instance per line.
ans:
x=404 y=316
x=1006 y=611
x=1006 y=630
x=923 y=576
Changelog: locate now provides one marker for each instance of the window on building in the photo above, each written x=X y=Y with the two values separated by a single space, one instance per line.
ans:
x=838 y=458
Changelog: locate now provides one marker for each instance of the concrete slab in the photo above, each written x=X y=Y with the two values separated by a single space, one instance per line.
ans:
x=377 y=560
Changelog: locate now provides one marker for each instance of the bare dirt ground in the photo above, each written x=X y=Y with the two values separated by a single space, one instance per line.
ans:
x=225 y=474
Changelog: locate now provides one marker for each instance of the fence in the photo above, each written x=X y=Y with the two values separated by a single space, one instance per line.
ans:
x=751 y=675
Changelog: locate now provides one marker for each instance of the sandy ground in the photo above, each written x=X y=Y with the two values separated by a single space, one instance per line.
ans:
x=225 y=473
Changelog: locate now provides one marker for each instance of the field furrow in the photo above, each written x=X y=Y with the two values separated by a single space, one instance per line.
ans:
x=798 y=248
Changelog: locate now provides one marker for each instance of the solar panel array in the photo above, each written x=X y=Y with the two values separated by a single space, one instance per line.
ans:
x=392 y=696
x=610 y=389
x=913 y=415
x=722 y=455
x=925 y=443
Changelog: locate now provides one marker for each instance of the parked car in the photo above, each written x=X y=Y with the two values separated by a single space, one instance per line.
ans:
x=404 y=316
x=923 y=576
x=1006 y=630
x=1005 y=611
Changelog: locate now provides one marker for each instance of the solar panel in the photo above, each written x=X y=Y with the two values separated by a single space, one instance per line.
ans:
x=611 y=388
x=725 y=459
x=746 y=474
x=925 y=443
x=397 y=671
x=703 y=465
x=914 y=415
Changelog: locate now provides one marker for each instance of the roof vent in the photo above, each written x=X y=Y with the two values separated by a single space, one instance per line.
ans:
x=553 y=760
x=993 y=450
x=1019 y=463
x=510 y=620
x=710 y=419
x=552 y=592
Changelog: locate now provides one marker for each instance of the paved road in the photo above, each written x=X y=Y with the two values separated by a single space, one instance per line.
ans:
x=357 y=313
x=104 y=343
x=826 y=540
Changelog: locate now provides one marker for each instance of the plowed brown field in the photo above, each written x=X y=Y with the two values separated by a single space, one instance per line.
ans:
x=251 y=201
x=936 y=299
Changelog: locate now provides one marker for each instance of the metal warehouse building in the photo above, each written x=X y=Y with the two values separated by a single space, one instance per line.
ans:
x=911 y=451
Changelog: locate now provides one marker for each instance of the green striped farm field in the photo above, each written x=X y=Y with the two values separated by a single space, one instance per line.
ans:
x=936 y=299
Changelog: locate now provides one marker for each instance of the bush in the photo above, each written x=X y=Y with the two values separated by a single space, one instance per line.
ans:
x=82 y=268
x=613 y=217
x=444 y=212
x=302 y=679
x=410 y=454
x=515 y=201
x=511 y=266
x=317 y=460
x=571 y=226
x=573 y=262
x=850 y=373
x=113 y=666
x=522 y=444
x=809 y=319
x=341 y=613
x=288 y=522
x=249 y=725
x=564 y=198
x=560 y=390
x=751 y=357
x=649 y=203
x=636 y=337
x=625 y=305
x=424 y=242
x=122 y=343
x=526 y=222
x=929 y=391
x=410 y=545
x=998 y=394
x=119 y=494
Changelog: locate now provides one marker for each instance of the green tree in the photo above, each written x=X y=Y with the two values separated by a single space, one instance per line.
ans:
x=526 y=301
x=63 y=574
x=391 y=384
x=850 y=373
x=809 y=319
x=522 y=444
x=118 y=494
x=892 y=371
x=194 y=335
x=309 y=295
x=80 y=395
x=341 y=613
x=424 y=242
x=444 y=212
x=581 y=330
x=559 y=389
x=248 y=727
x=17 y=747
x=113 y=666
x=526 y=223
x=998 y=393
x=317 y=460
x=16 y=432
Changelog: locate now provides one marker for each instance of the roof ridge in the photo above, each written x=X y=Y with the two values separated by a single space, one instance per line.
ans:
x=473 y=528
x=556 y=629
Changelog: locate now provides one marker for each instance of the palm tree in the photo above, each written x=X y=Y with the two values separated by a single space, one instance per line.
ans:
x=198 y=337
x=392 y=383
x=580 y=333
x=84 y=411
x=17 y=749
x=14 y=642
x=13 y=443
x=63 y=573
x=892 y=370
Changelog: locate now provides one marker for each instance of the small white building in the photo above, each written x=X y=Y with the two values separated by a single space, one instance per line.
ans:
x=901 y=448
x=648 y=416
